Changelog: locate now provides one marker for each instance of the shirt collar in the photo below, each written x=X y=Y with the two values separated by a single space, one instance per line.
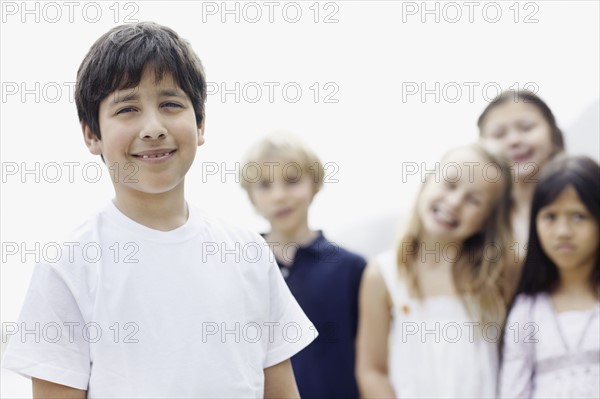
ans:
x=317 y=245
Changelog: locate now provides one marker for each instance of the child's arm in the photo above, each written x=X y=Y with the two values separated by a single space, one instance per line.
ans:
x=280 y=381
x=46 y=389
x=373 y=331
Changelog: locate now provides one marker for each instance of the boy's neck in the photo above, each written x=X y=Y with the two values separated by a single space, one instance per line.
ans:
x=164 y=212
x=300 y=236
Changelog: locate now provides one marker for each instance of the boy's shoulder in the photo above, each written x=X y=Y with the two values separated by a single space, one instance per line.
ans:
x=108 y=232
x=332 y=252
x=108 y=240
x=352 y=256
x=219 y=227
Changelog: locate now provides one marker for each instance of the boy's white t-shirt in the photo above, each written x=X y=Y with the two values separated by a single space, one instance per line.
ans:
x=128 y=311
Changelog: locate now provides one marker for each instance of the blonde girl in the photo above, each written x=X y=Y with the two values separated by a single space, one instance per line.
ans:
x=431 y=311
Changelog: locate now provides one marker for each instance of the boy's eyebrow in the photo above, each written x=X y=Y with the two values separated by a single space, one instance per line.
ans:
x=134 y=95
x=171 y=93
x=127 y=97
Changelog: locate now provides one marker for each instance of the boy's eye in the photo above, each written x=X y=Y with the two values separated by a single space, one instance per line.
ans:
x=125 y=110
x=171 y=105
x=292 y=181
x=450 y=184
x=264 y=184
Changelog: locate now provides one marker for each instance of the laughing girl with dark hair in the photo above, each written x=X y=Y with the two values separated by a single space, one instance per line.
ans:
x=520 y=127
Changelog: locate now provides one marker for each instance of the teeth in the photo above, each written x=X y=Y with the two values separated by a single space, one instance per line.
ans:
x=445 y=216
x=154 y=155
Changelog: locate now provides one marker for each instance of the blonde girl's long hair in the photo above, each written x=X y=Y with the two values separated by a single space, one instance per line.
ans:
x=478 y=272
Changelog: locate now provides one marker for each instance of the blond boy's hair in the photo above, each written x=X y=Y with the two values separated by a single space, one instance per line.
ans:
x=283 y=146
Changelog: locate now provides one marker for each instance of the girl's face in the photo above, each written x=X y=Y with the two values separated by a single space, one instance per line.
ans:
x=455 y=204
x=569 y=234
x=519 y=132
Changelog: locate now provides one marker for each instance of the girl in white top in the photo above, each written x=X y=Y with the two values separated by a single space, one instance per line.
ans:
x=431 y=311
x=551 y=346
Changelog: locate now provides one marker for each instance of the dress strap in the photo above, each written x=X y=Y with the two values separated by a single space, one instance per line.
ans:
x=389 y=270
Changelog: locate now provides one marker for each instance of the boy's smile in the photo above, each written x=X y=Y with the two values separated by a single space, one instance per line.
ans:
x=155 y=156
x=149 y=135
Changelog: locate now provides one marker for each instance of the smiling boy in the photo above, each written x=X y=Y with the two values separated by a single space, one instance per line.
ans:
x=156 y=314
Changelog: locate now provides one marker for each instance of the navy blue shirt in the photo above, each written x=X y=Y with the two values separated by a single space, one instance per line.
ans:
x=324 y=279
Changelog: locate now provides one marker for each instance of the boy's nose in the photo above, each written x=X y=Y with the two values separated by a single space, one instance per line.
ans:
x=153 y=135
x=278 y=192
x=153 y=129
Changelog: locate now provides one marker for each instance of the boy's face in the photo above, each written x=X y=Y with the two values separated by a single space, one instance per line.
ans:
x=149 y=135
x=283 y=195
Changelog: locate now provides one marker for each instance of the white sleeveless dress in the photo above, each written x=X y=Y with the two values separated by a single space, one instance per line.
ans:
x=435 y=349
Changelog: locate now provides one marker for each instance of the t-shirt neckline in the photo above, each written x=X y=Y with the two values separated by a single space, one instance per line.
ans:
x=184 y=232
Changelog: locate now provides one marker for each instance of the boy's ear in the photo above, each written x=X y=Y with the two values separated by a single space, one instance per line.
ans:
x=91 y=140
x=201 y=131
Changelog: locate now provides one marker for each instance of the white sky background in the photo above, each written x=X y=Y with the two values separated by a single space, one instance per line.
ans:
x=369 y=54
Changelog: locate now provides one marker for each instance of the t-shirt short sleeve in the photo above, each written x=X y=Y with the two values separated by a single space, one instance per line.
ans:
x=48 y=342
x=290 y=330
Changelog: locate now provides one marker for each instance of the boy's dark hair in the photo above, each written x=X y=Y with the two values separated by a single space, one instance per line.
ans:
x=539 y=273
x=116 y=61
x=527 y=97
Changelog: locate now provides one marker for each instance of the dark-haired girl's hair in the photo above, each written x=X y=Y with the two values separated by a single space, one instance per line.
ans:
x=539 y=273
